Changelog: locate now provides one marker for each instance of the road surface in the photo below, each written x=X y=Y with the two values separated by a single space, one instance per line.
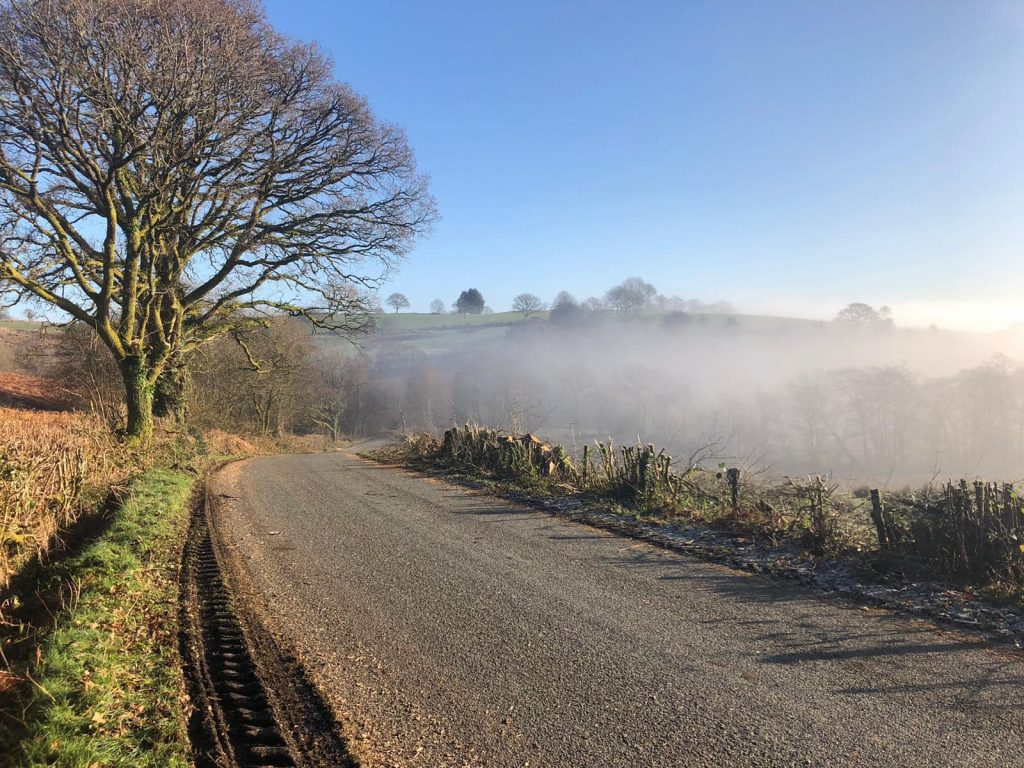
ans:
x=449 y=628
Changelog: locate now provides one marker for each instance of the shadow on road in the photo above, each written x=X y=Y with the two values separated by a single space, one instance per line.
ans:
x=880 y=652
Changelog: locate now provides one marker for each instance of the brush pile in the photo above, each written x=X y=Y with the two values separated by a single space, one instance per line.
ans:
x=636 y=474
x=503 y=455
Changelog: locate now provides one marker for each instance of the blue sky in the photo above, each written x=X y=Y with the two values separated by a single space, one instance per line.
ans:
x=787 y=156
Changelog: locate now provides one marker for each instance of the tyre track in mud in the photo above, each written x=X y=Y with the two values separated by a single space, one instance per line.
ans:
x=251 y=704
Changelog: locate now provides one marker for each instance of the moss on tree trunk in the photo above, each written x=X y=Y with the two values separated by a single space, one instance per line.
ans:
x=170 y=393
x=139 y=395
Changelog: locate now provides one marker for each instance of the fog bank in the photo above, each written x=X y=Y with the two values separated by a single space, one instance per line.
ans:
x=866 y=403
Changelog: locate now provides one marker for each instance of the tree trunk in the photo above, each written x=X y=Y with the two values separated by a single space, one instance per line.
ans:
x=139 y=396
x=170 y=394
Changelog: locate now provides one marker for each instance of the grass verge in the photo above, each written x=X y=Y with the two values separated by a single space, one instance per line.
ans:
x=107 y=687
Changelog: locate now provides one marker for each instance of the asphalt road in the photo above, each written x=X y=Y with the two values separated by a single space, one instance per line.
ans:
x=449 y=628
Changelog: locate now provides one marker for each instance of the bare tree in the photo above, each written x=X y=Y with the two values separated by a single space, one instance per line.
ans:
x=528 y=304
x=563 y=298
x=631 y=295
x=334 y=393
x=173 y=170
x=864 y=314
x=565 y=310
x=81 y=368
x=437 y=307
x=258 y=381
x=397 y=301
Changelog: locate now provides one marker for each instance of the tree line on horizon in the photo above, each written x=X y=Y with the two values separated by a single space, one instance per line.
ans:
x=631 y=295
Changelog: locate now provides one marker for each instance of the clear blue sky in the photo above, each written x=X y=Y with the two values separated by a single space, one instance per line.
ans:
x=786 y=156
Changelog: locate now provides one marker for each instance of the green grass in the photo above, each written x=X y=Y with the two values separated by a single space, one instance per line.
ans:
x=109 y=690
x=442 y=341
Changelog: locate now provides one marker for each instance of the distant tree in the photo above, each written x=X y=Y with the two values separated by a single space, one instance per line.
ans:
x=858 y=313
x=354 y=304
x=470 y=302
x=486 y=310
x=4 y=314
x=437 y=307
x=631 y=295
x=82 y=367
x=397 y=301
x=370 y=302
x=563 y=298
x=527 y=303
x=30 y=314
x=594 y=304
x=565 y=310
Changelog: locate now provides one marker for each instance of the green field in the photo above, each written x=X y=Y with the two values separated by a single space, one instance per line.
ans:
x=403 y=332
x=410 y=322
x=419 y=321
x=20 y=325
x=438 y=334
x=391 y=322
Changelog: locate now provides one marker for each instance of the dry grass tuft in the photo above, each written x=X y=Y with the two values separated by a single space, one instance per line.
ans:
x=226 y=444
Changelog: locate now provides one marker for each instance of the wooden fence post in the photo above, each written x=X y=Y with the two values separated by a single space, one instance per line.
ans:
x=878 y=518
x=733 y=475
x=586 y=465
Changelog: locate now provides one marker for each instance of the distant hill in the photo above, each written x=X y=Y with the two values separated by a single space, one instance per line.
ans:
x=437 y=334
x=418 y=321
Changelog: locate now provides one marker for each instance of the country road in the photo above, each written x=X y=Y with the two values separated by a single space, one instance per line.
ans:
x=449 y=628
